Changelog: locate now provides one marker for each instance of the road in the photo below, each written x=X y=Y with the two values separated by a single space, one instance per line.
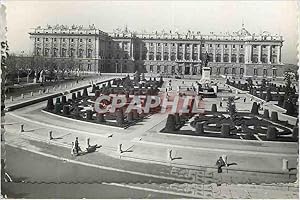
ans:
x=36 y=176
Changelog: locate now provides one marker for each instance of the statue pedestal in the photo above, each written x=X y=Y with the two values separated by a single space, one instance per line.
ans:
x=205 y=75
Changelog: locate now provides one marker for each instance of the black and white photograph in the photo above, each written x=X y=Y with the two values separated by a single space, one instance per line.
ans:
x=149 y=99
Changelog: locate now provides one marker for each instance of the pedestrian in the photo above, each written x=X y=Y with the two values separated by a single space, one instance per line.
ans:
x=220 y=103
x=220 y=163
x=76 y=146
x=244 y=99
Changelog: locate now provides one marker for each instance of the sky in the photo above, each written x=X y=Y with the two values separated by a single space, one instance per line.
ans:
x=277 y=17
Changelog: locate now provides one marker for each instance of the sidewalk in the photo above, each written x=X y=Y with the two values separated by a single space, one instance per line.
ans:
x=58 y=88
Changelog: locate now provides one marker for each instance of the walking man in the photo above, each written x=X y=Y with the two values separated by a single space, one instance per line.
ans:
x=76 y=146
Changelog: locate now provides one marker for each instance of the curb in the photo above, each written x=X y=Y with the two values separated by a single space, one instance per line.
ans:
x=44 y=98
x=80 y=121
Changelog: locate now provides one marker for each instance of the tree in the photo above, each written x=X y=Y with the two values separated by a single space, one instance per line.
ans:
x=231 y=109
x=250 y=82
x=288 y=76
x=12 y=68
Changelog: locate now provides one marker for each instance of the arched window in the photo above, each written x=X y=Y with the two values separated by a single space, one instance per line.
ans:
x=233 y=71
x=188 y=56
x=255 y=58
x=226 y=58
x=63 y=52
x=274 y=58
x=173 y=56
x=264 y=58
x=89 y=53
x=151 y=56
x=180 y=56
x=46 y=53
x=72 y=51
x=210 y=57
x=265 y=72
x=241 y=58
x=158 y=56
x=55 y=52
x=218 y=57
x=80 y=53
x=166 y=55
x=233 y=58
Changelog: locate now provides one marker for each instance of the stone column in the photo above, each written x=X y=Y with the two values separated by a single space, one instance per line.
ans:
x=183 y=51
x=229 y=54
x=269 y=54
x=199 y=48
x=278 y=53
x=155 y=49
x=170 y=47
x=162 y=51
x=176 y=52
x=141 y=51
x=214 y=53
x=259 y=53
x=191 y=51
x=222 y=52
x=131 y=50
x=148 y=49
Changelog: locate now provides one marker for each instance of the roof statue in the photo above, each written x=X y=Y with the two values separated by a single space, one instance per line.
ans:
x=74 y=26
x=92 y=27
x=243 y=32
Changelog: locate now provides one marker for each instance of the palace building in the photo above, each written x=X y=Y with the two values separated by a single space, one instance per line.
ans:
x=237 y=54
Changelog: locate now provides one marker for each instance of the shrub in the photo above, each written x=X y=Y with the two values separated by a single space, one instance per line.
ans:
x=50 y=105
x=66 y=110
x=76 y=112
x=271 y=133
x=100 y=117
x=269 y=95
x=89 y=114
x=85 y=92
x=97 y=93
x=254 y=109
x=74 y=96
x=170 y=125
x=57 y=108
x=130 y=116
x=57 y=100
x=225 y=130
x=78 y=94
x=290 y=108
x=135 y=114
x=119 y=117
x=214 y=108
x=274 y=116
x=266 y=114
x=177 y=118
x=295 y=134
x=199 y=128
x=93 y=88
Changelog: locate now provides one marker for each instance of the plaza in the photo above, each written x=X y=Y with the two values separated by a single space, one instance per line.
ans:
x=256 y=161
x=149 y=100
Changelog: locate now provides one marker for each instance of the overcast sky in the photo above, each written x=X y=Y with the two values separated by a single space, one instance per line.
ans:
x=204 y=16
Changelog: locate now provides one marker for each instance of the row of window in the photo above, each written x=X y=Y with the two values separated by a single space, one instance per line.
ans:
x=255 y=71
x=63 y=52
x=63 y=39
